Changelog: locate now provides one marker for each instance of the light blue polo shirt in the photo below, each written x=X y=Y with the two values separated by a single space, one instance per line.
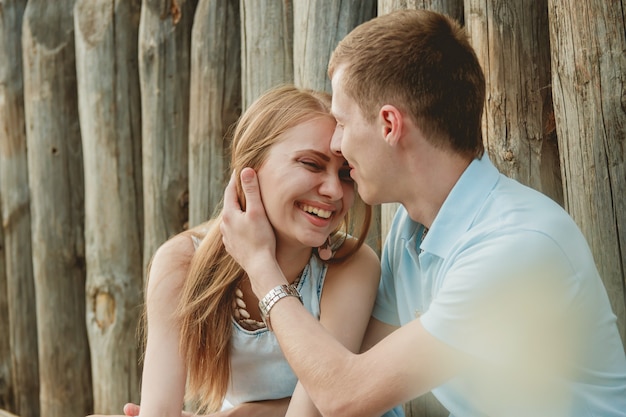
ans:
x=505 y=276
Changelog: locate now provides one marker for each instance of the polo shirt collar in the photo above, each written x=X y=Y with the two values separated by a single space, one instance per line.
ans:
x=461 y=206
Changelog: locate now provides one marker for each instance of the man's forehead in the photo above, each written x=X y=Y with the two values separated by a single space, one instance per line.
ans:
x=335 y=109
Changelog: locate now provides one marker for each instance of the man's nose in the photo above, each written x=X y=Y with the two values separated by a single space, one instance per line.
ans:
x=335 y=141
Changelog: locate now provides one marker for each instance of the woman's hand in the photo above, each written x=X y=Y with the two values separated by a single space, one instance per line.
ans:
x=131 y=410
x=271 y=408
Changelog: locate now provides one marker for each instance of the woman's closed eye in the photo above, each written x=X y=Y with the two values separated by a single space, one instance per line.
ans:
x=343 y=173
x=314 y=166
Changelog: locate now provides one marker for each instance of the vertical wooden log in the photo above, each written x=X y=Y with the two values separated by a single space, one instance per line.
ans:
x=215 y=102
x=19 y=376
x=267 y=46
x=110 y=121
x=164 y=45
x=57 y=210
x=7 y=389
x=318 y=27
x=453 y=8
x=517 y=128
x=589 y=86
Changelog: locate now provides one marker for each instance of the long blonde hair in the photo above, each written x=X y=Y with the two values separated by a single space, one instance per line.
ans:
x=205 y=307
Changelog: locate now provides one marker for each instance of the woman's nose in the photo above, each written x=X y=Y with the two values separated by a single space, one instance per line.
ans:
x=332 y=186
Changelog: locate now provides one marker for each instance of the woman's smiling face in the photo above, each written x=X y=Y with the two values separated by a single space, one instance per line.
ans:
x=306 y=189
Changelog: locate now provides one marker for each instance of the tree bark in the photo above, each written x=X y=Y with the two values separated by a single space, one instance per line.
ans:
x=588 y=79
x=453 y=8
x=517 y=129
x=215 y=102
x=57 y=210
x=267 y=46
x=110 y=122
x=164 y=45
x=19 y=372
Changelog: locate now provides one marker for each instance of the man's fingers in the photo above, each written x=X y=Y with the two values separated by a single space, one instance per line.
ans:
x=250 y=185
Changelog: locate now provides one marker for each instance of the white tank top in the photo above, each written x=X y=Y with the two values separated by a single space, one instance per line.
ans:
x=259 y=371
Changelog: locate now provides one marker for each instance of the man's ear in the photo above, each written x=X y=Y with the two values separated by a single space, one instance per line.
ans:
x=391 y=122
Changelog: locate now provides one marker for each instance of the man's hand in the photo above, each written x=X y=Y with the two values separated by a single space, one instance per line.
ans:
x=248 y=235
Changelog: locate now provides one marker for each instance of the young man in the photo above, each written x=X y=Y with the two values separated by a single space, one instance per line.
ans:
x=489 y=294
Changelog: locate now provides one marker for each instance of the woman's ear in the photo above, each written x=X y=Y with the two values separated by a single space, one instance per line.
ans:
x=391 y=122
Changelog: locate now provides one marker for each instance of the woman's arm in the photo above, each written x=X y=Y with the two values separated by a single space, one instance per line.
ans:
x=345 y=309
x=269 y=408
x=164 y=371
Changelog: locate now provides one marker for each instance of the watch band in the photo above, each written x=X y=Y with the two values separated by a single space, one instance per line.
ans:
x=272 y=297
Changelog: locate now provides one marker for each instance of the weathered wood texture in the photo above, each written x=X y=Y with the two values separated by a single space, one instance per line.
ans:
x=266 y=46
x=517 y=128
x=588 y=83
x=453 y=8
x=19 y=371
x=215 y=102
x=57 y=209
x=4 y=413
x=6 y=386
x=318 y=27
x=164 y=45
x=110 y=121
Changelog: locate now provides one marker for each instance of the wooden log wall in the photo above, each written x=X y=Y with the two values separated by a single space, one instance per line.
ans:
x=215 y=102
x=114 y=117
x=164 y=59
x=55 y=180
x=19 y=379
x=110 y=124
x=588 y=41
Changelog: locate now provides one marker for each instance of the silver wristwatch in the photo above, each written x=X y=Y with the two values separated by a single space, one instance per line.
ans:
x=272 y=297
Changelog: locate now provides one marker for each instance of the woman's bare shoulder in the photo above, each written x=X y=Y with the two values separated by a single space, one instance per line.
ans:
x=364 y=254
x=364 y=262
x=170 y=265
x=178 y=250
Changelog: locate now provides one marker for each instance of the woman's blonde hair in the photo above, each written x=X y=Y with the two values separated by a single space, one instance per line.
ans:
x=205 y=307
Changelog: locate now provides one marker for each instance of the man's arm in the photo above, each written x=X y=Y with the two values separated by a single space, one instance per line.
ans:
x=406 y=364
x=376 y=331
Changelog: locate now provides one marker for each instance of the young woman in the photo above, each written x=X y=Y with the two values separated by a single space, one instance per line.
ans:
x=206 y=340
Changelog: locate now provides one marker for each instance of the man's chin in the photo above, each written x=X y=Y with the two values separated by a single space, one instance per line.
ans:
x=367 y=198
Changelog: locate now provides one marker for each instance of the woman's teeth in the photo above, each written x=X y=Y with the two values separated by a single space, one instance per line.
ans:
x=317 y=211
